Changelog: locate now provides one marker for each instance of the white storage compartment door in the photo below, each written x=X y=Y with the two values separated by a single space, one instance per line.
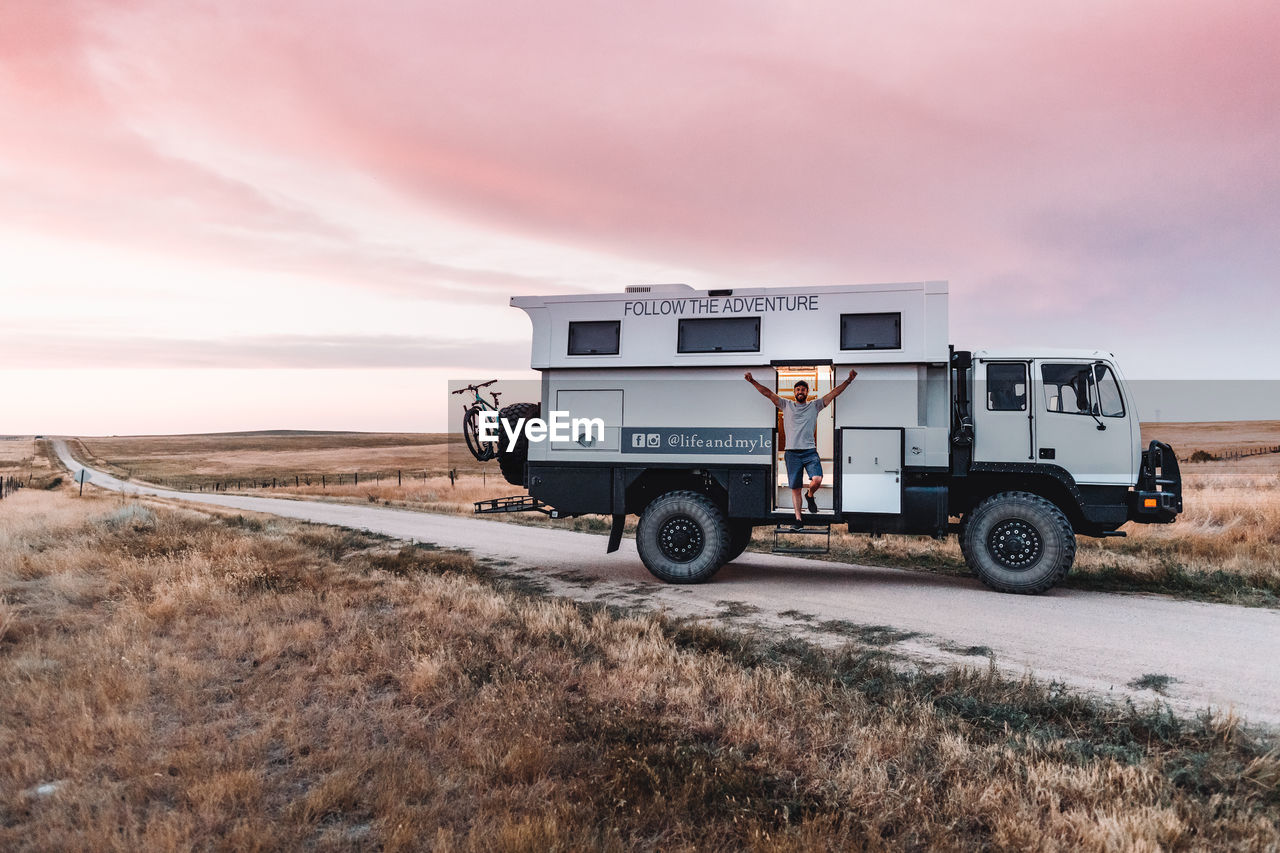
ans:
x=871 y=470
x=603 y=404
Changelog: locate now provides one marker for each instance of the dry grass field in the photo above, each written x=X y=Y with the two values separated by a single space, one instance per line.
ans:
x=1215 y=437
x=1225 y=546
x=27 y=461
x=205 y=459
x=178 y=680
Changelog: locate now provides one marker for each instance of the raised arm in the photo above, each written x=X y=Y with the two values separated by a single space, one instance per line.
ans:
x=839 y=389
x=777 y=401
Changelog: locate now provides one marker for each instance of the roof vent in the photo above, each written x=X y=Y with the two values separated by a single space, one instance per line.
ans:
x=656 y=288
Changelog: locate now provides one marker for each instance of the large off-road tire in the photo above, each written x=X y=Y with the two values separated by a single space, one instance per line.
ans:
x=683 y=537
x=512 y=461
x=1018 y=542
x=739 y=539
x=481 y=450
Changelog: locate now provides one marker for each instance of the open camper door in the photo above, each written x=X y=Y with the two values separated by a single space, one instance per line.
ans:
x=820 y=378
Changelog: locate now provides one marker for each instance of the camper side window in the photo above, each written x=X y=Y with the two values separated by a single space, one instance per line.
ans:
x=871 y=331
x=594 y=337
x=1006 y=387
x=719 y=334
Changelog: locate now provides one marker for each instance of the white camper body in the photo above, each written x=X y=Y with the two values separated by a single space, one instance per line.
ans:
x=667 y=397
x=924 y=435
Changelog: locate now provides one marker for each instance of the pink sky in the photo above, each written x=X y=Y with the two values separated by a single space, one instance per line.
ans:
x=241 y=215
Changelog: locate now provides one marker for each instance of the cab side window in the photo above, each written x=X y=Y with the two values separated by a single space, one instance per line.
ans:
x=1108 y=391
x=1068 y=389
x=1007 y=387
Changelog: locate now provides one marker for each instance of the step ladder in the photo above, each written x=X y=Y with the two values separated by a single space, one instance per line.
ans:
x=805 y=542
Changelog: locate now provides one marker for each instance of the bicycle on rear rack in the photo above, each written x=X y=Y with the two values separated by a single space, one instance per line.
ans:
x=481 y=450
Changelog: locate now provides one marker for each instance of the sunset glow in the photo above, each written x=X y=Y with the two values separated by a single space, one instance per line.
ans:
x=250 y=215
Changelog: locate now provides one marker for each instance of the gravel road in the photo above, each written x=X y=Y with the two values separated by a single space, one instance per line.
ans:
x=1220 y=656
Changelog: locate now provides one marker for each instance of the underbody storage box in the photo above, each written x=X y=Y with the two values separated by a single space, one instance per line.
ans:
x=573 y=489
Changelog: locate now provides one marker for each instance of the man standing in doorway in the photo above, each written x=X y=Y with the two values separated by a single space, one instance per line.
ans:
x=799 y=424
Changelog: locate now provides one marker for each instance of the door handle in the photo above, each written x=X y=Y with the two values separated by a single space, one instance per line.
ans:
x=894 y=471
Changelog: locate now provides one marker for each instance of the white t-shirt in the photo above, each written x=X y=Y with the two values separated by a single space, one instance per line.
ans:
x=800 y=422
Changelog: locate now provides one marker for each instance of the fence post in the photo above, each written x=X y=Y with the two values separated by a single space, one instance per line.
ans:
x=295 y=481
x=357 y=477
x=453 y=473
x=399 y=482
x=322 y=482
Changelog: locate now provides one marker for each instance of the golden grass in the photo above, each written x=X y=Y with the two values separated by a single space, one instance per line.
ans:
x=28 y=461
x=196 y=459
x=17 y=452
x=1226 y=545
x=21 y=455
x=175 y=681
x=1213 y=436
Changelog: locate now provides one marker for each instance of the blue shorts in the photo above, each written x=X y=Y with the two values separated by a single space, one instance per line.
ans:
x=799 y=461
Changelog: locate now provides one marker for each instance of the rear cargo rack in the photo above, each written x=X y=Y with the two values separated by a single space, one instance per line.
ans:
x=515 y=503
x=781 y=546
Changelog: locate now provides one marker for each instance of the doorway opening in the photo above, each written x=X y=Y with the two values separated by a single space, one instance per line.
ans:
x=819 y=377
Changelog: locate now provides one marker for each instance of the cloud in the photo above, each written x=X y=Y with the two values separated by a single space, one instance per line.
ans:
x=49 y=351
x=1045 y=158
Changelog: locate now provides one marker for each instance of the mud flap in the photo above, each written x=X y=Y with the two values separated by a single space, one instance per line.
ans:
x=615 y=533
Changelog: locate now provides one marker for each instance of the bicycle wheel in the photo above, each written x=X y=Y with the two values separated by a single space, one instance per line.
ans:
x=481 y=450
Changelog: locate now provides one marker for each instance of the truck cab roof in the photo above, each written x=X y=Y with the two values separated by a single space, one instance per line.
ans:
x=1030 y=352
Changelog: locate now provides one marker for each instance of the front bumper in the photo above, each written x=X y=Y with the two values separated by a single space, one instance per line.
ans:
x=1157 y=498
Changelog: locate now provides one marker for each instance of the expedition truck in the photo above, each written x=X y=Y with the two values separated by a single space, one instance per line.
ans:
x=1017 y=450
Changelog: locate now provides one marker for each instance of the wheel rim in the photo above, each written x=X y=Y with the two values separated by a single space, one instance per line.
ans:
x=680 y=539
x=1015 y=544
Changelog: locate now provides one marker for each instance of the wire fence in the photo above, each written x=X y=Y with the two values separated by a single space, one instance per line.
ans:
x=323 y=481
x=1231 y=454
x=11 y=483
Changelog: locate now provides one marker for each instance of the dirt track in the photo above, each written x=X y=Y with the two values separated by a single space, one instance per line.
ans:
x=1220 y=655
